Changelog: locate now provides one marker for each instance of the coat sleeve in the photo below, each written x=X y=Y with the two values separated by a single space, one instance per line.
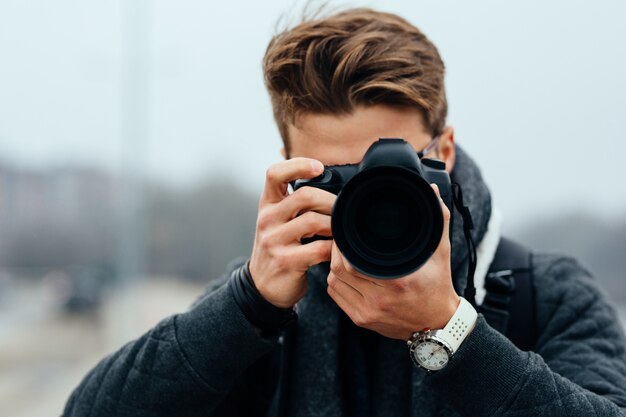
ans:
x=578 y=367
x=187 y=365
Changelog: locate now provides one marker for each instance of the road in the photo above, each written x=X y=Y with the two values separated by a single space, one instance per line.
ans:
x=44 y=354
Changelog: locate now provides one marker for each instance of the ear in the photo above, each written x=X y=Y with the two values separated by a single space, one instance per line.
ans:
x=446 y=149
x=283 y=153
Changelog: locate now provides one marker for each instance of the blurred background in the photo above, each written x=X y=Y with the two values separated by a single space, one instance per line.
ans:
x=134 y=138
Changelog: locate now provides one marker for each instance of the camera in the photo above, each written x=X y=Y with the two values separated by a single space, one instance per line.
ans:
x=387 y=220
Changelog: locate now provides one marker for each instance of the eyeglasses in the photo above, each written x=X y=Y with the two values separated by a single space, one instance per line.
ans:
x=429 y=148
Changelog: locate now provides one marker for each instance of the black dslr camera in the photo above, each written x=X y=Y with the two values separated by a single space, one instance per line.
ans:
x=387 y=220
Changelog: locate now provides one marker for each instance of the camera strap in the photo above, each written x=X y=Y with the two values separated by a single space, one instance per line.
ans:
x=468 y=225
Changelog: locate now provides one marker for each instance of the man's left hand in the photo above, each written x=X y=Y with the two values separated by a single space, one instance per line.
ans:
x=399 y=307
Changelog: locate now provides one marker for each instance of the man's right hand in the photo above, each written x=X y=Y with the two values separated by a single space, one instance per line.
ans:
x=279 y=260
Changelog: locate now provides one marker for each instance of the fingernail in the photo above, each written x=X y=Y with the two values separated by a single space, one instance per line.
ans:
x=317 y=166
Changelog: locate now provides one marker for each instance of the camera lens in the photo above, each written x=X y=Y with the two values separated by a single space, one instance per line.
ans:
x=387 y=221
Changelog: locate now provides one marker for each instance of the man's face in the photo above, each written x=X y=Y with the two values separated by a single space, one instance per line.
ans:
x=344 y=139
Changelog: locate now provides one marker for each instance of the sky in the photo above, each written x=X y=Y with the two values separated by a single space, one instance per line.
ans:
x=536 y=91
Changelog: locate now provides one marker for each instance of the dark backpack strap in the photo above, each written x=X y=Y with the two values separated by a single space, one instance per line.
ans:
x=509 y=303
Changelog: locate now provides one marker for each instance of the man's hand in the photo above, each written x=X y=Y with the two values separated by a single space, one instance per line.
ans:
x=397 y=308
x=279 y=261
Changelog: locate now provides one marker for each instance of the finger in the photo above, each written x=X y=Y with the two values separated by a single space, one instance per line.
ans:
x=279 y=175
x=312 y=253
x=446 y=216
x=305 y=199
x=302 y=257
x=306 y=225
x=336 y=260
x=350 y=307
x=345 y=272
x=348 y=292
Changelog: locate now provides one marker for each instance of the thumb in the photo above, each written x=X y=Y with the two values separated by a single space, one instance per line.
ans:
x=446 y=215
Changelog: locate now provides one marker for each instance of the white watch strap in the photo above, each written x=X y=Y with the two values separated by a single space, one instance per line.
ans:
x=459 y=326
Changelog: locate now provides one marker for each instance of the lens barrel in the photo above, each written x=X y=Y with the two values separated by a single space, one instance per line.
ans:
x=387 y=221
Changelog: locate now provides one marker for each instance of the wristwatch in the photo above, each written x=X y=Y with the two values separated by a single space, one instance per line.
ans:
x=432 y=349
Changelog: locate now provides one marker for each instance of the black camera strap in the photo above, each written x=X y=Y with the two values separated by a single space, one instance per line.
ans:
x=468 y=225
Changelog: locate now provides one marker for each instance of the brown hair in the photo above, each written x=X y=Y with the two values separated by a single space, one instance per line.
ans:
x=355 y=57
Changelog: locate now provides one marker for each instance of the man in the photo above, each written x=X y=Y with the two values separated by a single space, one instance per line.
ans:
x=338 y=84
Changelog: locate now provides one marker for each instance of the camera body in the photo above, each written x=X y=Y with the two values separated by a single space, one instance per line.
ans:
x=387 y=220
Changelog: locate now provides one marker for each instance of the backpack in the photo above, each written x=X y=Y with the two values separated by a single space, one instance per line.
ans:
x=509 y=304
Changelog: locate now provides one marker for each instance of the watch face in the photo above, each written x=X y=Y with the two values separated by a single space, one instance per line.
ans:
x=431 y=355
